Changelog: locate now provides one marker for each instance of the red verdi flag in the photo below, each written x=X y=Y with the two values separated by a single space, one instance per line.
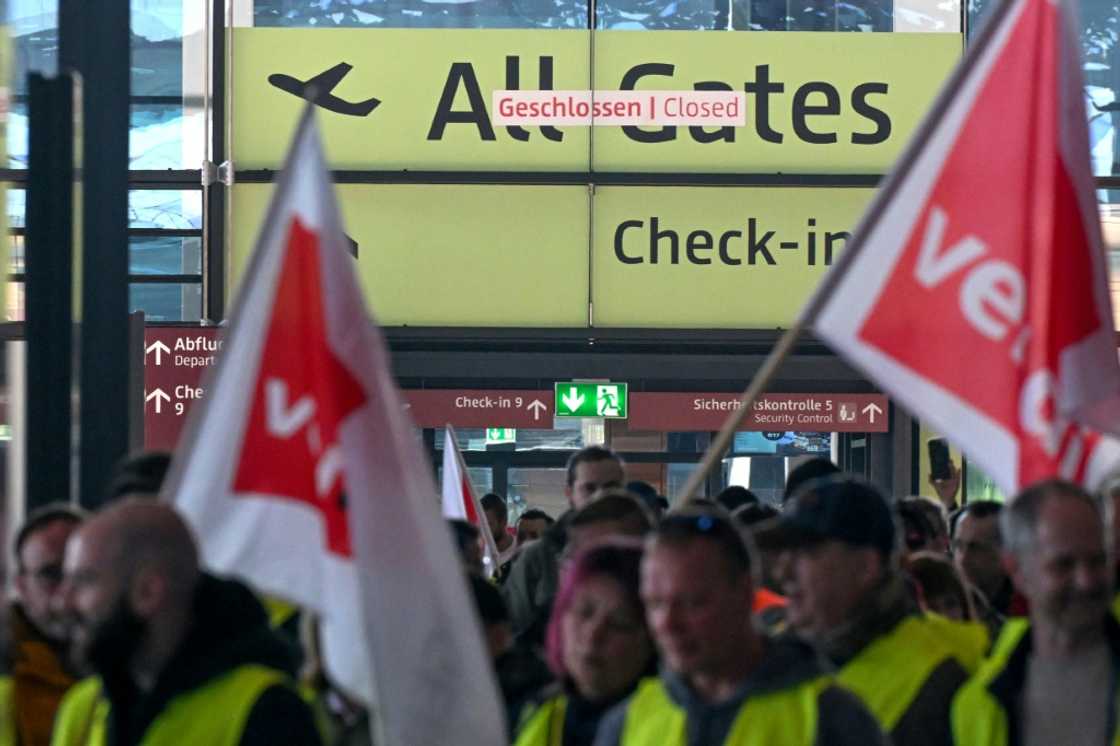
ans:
x=302 y=474
x=975 y=290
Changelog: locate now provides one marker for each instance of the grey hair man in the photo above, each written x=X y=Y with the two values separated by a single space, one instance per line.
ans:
x=1044 y=681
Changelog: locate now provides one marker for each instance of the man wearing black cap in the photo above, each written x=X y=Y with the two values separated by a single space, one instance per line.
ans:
x=839 y=571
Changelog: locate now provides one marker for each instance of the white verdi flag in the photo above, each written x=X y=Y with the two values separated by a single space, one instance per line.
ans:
x=460 y=500
x=302 y=474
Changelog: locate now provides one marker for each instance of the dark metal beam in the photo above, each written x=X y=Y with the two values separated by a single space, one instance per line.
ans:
x=104 y=375
x=214 y=262
x=49 y=277
x=583 y=178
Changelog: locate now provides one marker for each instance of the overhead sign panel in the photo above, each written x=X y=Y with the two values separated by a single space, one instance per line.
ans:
x=433 y=255
x=816 y=102
x=579 y=399
x=661 y=257
x=698 y=257
x=422 y=99
x=697 y=411
x=524 y=409
x=433 y=89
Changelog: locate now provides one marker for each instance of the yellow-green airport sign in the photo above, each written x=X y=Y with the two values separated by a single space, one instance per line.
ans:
x=421 y=99
x=562 y=256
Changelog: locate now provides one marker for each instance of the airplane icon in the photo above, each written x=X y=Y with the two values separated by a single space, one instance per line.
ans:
x=318 y=89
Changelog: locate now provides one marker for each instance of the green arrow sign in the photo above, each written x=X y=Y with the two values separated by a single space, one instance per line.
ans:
x=591 y=400
x=500 y=435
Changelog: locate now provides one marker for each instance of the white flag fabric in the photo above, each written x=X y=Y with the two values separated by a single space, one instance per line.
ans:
x=460 y=500
x=302 y=474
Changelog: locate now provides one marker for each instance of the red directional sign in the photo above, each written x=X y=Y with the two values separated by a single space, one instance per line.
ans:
x=827 y=413
x=176 y=357
x=524 y=409
x=174 y=360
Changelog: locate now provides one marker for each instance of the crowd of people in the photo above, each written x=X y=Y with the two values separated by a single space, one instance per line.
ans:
x=841 y=616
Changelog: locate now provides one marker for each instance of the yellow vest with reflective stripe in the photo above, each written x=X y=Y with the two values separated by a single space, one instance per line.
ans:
x=544 y=726
x=214 y=714
x=7 y=712
x=889 y=673
x=977 y=717
x=787 y=717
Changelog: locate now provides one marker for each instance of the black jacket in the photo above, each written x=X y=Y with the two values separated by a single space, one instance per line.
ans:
x=229 y=629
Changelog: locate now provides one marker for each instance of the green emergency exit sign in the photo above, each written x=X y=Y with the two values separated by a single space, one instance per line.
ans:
x=500 y=435
x=591 y=400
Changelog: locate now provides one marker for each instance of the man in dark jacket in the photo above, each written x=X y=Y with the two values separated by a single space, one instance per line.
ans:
x=180 y=657
x=840 y=574
x=37 y=658
x=533 y=578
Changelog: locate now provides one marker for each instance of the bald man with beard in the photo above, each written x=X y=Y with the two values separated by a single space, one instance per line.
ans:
x=179 y=656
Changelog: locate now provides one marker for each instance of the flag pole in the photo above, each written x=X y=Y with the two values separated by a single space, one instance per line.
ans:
x=758 y=384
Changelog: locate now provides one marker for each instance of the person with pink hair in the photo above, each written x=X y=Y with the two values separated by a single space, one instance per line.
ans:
x=598 y=646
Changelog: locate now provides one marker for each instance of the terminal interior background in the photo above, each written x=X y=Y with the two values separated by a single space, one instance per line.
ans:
x=171 y=104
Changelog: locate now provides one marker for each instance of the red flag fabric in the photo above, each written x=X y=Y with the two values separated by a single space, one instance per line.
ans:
x=460 y=501
x=975 y=291
x=300 y=473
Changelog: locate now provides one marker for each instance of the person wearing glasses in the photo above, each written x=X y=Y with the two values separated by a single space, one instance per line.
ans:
x=39 y=674
x=598 y=645
x=840 y=573
x=722 y=682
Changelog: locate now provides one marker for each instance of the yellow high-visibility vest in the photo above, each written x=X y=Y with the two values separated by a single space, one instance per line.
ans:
x=214 y=713
x=7 y=712
x=889 y=673
x=544 y=726
x=977 y=717
x=787 y=717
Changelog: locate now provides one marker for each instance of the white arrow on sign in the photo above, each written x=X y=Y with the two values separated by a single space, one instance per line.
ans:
x=159 y=396
x=573 y=400
x=536 y=407
x=871 y=410
x=160 y=349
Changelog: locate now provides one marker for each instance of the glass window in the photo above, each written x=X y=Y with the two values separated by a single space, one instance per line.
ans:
x=782 y=443
x=481 y=479
x=422 y=13
x=657 y=15
x=166 y=301
x=765 y=476
x=14 y=303
x=1110 y=230
x=167 y=128
x=165 y=255
x=16 y=254
x=676 y=476
x=538 y=488
x=781 y=15
x=979 y=486
x=568 y=435
x=17 y=207
x=174 y=209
